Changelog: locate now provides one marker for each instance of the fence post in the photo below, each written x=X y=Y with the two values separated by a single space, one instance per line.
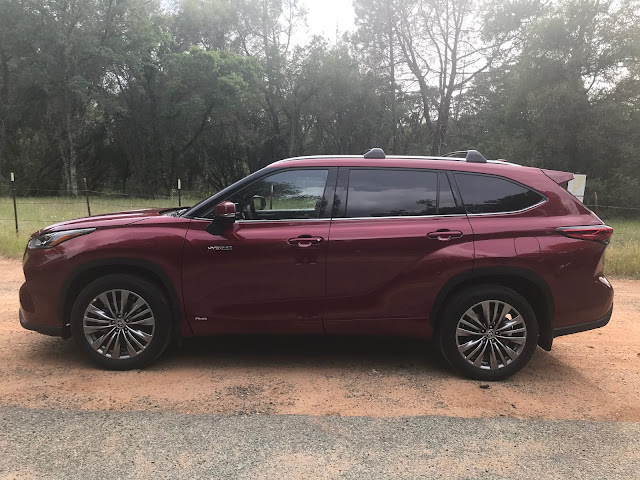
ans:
x=595 y=203
x=179 y=193
x=86 y=196
x=13 y=193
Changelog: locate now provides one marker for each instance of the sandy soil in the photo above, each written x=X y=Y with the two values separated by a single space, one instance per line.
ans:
x=592 y=375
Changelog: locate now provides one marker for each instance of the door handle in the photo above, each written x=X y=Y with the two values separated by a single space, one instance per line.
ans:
x=304 y=241
x=444 y=235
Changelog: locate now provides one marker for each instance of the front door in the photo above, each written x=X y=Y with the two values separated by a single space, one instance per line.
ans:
x=266 y=272
x=398 y=235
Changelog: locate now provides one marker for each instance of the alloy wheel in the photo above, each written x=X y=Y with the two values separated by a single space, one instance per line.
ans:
x=491 y=334
x=119 y=324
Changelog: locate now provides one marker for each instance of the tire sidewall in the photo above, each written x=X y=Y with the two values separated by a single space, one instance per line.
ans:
x=150 y=293
x=459 y=304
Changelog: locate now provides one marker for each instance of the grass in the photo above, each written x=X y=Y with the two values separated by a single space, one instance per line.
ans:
x=622 y=257
x=35 y=213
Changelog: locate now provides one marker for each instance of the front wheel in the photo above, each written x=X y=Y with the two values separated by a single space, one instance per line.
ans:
x=121 y=321
x=488 y=332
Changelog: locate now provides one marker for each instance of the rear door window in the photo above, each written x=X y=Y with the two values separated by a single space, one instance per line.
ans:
x=391 y=193
x=490 y=194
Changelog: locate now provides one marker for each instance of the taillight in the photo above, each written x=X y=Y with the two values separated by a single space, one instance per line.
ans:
x=595 y=233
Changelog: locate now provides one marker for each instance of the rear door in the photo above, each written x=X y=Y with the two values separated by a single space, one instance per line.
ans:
x=397 y=236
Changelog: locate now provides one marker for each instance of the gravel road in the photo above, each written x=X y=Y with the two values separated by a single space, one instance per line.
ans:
x=64 y=444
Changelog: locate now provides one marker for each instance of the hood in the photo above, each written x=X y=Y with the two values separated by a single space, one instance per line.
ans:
x=107 y=220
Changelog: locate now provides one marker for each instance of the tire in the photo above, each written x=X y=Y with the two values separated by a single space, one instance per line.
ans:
x=140 y=327
x=500 y=349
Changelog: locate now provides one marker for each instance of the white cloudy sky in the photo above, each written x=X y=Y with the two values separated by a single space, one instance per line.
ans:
x=323 y=15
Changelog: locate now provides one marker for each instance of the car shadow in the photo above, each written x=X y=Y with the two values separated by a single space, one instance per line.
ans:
x=413 y=357
x=312 y=351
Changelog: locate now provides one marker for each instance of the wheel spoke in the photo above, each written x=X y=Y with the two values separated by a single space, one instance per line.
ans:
x=96 y=311
x=136 y=305
x=104 y=298
x=470 y=325
x=470 y=344
x=486 y=310
x=480 y=357
x=96 y=328
x=518 y=340
x=475 y=350
x=492 y=356
x=97 y=343
x=124 y=296
x=512 y=353
x=138 y=315
x=144 y=321
x=474 y=318
x=116 y=346
x=502 y=357
x=464 y=332
x=133 y=339
x=505 y=309
x=511 y=323
x=132 y=351
x=140 y=334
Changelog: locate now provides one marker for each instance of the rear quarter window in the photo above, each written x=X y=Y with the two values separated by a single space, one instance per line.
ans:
x=490 y=194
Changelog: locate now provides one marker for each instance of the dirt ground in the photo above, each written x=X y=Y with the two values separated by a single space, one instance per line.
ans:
x=592 y=375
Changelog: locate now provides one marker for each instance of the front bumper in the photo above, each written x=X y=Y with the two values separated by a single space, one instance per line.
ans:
x=50 y=330
x=581 y=327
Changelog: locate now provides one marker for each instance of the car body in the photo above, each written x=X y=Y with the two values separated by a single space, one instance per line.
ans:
x=356 y=245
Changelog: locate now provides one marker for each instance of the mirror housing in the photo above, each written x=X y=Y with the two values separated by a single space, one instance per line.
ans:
x=224 y=214
x=225 y=210
x=261 y=202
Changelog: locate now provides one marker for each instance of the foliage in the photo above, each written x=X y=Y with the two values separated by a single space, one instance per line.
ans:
x=132 y=94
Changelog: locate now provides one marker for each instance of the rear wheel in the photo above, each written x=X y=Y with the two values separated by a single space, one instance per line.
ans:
x=488 y=332
x=121 y=322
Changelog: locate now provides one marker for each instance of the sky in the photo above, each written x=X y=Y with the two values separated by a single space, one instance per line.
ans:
x=324 y=14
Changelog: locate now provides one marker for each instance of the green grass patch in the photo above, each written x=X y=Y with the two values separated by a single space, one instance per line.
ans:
x=622 y=257
x=35 y=213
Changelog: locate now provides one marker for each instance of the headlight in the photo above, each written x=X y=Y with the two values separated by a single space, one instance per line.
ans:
x=52 y=239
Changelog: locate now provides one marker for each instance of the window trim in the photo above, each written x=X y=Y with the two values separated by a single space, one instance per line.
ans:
x=543 y=199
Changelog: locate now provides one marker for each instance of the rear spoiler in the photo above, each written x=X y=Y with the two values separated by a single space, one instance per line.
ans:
x=557 y=176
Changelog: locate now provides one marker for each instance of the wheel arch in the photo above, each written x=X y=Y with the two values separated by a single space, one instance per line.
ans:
x=526 y=282
x=90 y=271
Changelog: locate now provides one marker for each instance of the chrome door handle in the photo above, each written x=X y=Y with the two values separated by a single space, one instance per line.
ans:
x=304 y=241
x=445 y=235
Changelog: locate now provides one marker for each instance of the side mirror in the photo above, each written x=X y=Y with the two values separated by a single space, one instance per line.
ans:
x=225 y=210
x=224 y=214
x=259 y=203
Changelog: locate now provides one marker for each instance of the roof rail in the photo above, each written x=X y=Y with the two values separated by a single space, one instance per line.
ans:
x=375 y=153
x=472 y=156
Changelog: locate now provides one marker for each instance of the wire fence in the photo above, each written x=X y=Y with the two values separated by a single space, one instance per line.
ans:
x=46 y=206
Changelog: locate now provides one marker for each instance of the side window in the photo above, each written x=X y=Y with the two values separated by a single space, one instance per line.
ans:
x=488 y=194
x=446 y=201
x=293 y=194
x=391 y=193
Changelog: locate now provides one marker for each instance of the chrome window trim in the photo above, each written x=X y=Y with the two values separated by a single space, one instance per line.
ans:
x=397 y=217
x=544 y=200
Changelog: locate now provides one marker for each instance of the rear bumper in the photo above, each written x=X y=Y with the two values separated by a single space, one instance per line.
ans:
x=50 y=330
x=581 y=327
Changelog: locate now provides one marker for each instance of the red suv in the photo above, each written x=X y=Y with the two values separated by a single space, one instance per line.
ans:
x=488 y=257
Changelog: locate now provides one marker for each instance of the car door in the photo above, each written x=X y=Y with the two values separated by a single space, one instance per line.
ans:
x=397 y=236
x=266 y=272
